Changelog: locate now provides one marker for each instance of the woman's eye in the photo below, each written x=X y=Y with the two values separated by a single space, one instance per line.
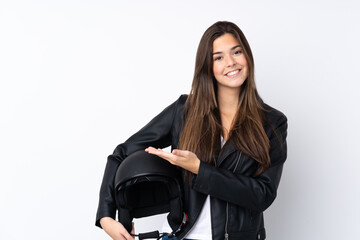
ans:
x=217 y=58
x=238 y=52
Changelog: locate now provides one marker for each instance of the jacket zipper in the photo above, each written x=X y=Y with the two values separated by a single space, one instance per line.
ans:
x=227 y=203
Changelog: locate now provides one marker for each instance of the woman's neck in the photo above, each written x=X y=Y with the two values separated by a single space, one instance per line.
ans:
x=228 y=101
x=228 y=105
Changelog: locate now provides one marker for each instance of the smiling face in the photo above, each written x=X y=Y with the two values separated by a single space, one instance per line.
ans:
x=229 y=62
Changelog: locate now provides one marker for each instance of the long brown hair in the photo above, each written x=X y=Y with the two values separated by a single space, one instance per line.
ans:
x=202 y=129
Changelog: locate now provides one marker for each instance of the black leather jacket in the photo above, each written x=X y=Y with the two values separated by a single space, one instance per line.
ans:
x=237 y=198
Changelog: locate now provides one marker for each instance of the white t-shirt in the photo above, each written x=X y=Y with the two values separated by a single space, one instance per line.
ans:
x=202 y=228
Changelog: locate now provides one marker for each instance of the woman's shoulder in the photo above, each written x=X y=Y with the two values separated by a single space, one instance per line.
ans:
x=180 y=102
x=273 y=115
x=182 y=99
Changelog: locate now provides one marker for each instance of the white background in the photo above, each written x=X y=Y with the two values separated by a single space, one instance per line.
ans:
x=79 y=77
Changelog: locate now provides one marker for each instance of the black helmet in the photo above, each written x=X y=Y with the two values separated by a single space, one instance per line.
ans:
x=146 y=185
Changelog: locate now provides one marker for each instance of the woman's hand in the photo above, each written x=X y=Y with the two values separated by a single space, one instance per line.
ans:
x=115 y=229
x=185 y=159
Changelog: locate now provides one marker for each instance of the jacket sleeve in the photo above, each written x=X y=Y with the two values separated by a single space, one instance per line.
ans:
x=255 y=193
x=156 y=133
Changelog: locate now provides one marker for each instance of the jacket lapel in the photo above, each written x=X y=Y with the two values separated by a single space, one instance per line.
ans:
x=228 y=149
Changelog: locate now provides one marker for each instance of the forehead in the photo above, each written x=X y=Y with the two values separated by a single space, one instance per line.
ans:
x=225 y=43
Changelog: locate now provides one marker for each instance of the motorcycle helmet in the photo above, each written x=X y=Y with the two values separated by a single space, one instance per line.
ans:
x=146 y=185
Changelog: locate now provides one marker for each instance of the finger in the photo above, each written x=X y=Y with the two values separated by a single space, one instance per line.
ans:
x=155 y=151
x=128 y=236
x=159 y=152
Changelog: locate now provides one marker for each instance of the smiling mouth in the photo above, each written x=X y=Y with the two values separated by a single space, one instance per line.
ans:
x=232 y=73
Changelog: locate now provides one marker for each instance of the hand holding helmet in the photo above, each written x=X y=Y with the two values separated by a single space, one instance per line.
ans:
x=115 y=229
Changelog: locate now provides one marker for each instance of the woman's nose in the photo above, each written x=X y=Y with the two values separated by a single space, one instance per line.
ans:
x=230 y=61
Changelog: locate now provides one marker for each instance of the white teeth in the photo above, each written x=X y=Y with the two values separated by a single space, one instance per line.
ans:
x=232 y=73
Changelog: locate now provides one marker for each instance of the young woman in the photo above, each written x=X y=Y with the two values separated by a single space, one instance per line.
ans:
x=229 y=143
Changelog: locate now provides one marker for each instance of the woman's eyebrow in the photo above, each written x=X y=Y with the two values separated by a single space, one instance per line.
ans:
x=230 y=49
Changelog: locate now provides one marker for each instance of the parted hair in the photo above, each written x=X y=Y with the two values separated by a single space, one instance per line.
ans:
x=203 y=128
